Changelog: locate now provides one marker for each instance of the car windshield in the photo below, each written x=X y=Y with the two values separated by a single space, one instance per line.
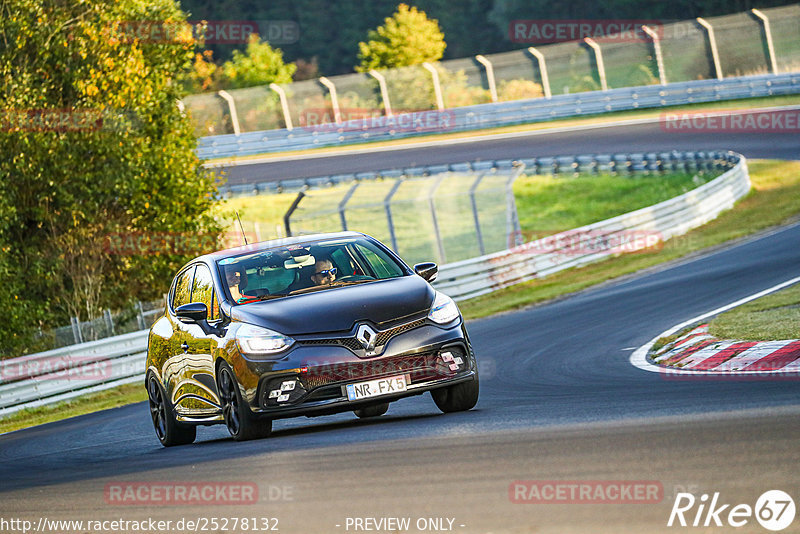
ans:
x=303 y=268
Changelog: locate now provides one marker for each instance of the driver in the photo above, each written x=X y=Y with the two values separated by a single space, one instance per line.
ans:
x=237 y=278
x=324 y=272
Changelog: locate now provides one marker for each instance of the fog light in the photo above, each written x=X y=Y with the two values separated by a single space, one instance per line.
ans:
x=447 y=356
x=454 y=367
x=288 y=385
x=274 y=393
x=283 y=398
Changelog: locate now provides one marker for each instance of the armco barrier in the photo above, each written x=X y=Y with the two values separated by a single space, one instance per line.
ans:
x=505 y=114
x=57 y=375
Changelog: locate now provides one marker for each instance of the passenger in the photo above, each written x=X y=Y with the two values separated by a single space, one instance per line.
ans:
x=324 y=273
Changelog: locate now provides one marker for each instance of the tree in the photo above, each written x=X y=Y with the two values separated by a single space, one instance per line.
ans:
x=259 y=65
x=94 y=147
x=407 y=38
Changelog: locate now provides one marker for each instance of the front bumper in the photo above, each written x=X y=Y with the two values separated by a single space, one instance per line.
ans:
x=312 y=379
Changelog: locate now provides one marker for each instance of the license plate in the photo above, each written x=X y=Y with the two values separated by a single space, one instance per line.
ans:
x=376 y=388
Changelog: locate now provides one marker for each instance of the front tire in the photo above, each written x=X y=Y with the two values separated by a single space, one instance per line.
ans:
x=457 y=398
x=242 y=424
x=168 y=431
x=372 y=411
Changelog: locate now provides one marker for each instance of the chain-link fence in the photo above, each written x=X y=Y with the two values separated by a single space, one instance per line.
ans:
x=756 y=42
x=445 y=217
x=139 y=317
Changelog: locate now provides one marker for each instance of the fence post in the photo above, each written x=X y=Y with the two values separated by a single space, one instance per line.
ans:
x=287 y=117
x=489 y=75
x=387 y=205
x=598 y=55
x=232 y=108
x=431 y=204
x=712 y=42
x=472 y=189
x=344 y=202
x=290 y=211
x=662 y=75
x=512 y=219
x=768 y=36
x=109 y=321
x=337 y=114
x=76 y=330
x=542 y=70
x=140 y=315
x=387 y=106
x=437 y=87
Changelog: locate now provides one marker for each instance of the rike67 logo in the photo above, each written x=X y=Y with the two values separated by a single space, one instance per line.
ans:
x=774 y=510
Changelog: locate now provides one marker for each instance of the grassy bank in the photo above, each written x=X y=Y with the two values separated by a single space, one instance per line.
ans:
x=772 y=317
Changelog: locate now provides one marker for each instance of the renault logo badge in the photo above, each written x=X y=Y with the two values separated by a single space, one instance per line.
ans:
x=367 y=337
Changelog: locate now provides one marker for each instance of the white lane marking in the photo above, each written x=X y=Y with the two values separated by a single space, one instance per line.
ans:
x=232 y=162
x=639 y=356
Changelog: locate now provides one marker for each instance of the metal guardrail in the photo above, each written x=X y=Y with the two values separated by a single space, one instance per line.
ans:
x=500 y=114
x=61 y=374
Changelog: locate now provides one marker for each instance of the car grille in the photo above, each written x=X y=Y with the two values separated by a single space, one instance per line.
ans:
x=425 y=366
x=354 y=345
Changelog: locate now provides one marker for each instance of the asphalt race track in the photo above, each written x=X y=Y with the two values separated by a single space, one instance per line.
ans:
x=559 y=401
x=637 y=138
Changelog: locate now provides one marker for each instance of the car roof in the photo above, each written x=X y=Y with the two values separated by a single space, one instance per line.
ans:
x=266 y=245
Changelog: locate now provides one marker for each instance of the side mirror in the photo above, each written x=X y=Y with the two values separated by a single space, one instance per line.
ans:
x=427 y=270
x=192 y=313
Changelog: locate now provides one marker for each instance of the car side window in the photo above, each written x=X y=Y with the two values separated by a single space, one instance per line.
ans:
x=381 y=264
x=182 y=294
x=203 y=291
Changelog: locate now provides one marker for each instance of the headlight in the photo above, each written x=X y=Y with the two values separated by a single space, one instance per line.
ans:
x=444 y=310
x=261 y=341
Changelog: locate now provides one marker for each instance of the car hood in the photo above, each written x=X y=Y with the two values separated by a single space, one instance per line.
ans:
x=339 y=309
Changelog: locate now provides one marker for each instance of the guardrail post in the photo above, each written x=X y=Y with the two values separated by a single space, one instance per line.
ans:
x=76 y=330
x=387 y=106
x=598 y=55
x=432 y=206
x=387 y=206
x=337 y=114
x=542 y=71
x=489 y=75
x=343 y=204
x=290 y=211
x=140 y=315
x=287 y=117
x=662 y=75
x=232 y=109
x=437 y=87
x=768 y=36
x=475 y=216
x=712 y=43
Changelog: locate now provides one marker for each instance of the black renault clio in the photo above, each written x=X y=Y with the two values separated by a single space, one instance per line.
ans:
x=310 y=326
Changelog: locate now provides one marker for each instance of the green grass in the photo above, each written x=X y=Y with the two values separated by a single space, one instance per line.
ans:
x=103 y=400
x=772 y=317
x=774 y=200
